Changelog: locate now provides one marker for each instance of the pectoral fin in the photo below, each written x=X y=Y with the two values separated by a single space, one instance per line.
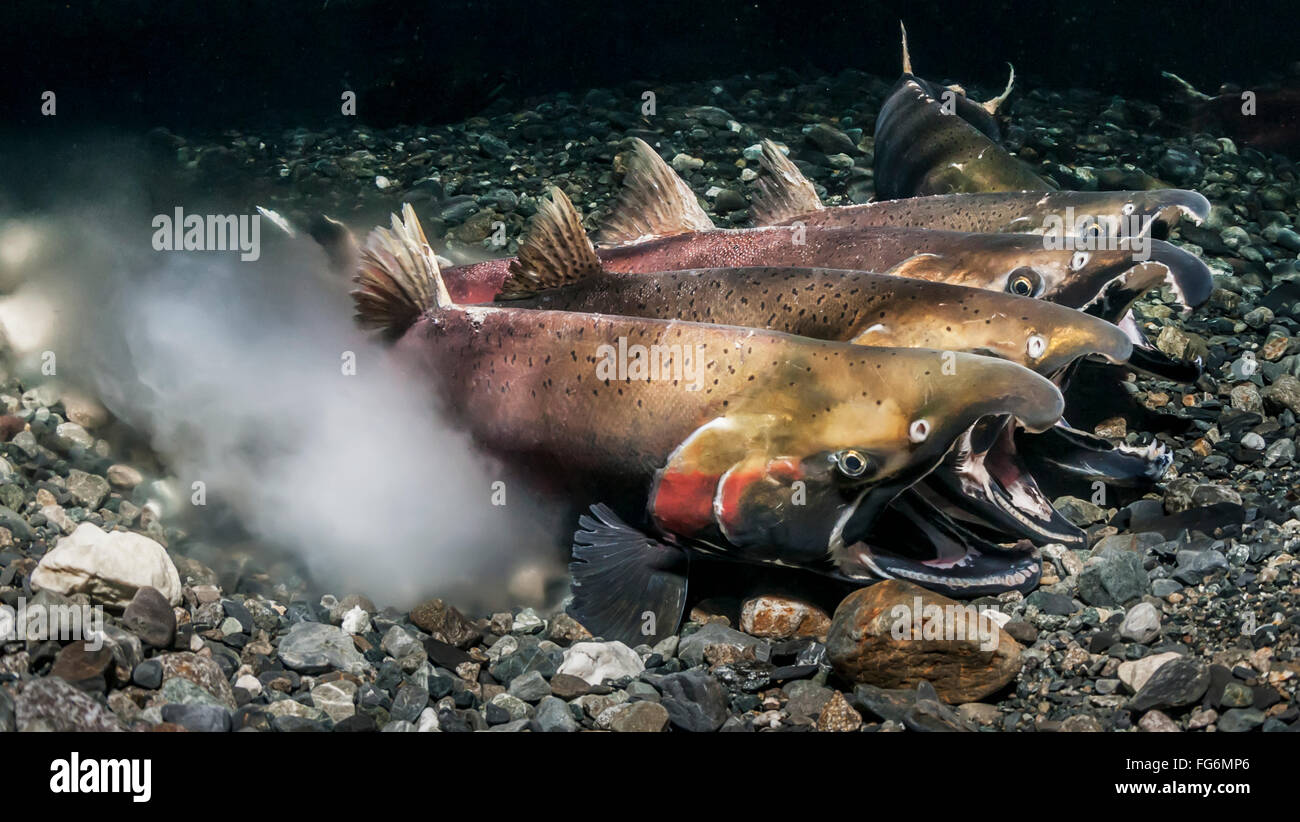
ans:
x=626 y=586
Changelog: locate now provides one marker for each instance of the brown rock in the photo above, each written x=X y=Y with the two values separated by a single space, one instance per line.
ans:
x=444 y=623
x=567 y=686
x=79 y=665
x=564 y=628
x=150 y=617
x=877 y=636
x=10 y=425
x=838 y=715
x=1156 y=400
x=775 y=617
x=1157 y=722
x=1115 y=427
x=635 y=717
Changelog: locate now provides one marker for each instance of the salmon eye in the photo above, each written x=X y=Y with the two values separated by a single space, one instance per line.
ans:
x=1127 y=208
x=1079 y=260
x=1092 y=230
x=852 y=464
x=918 y=430
x=1024 y=282
x=1037 y=345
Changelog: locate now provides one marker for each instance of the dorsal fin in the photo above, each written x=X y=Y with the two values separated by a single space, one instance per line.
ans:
x=991 y=106
x=556 y=251
x=397 y=277
x=907 y=58
x=783 y=191
x=655 y=202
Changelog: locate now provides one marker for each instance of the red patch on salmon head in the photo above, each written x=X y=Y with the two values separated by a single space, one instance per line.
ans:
x=683 y=501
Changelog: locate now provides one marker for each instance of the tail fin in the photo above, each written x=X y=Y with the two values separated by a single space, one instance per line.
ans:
x=655 y=202
x=397 y=277
x=907 y=58
x=556 y=251
x=991 y=106
x=783 y=192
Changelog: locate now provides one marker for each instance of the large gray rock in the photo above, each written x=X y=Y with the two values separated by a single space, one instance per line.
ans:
x=694 y=700
x=1141 y=624
x=553 y=716
x=1113 y=577
x=691 y=648
x=313 y=648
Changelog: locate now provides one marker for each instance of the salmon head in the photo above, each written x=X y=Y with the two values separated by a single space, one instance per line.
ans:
x=1067 y=270
x=800 y=469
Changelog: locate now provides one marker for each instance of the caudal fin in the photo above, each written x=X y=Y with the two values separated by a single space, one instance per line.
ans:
x=783 y=192
x=655 y=202
x=397 y=277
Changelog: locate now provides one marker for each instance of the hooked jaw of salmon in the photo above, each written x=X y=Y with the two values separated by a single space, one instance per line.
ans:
x=916 y=541
x=987 y=486
x=1163 y=209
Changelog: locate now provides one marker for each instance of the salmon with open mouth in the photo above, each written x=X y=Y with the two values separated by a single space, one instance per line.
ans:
x=558 y=269
x=783 y=453
x=783 y=195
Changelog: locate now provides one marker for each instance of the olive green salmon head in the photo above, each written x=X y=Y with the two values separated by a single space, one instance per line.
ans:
x=1112 y=215
x=1063 y=270
x=1042 y=336
x=794 y=470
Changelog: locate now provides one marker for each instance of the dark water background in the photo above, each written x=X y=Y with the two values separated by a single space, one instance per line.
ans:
x=241 y=63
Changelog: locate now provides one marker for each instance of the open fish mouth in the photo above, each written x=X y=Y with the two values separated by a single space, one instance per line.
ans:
x=1070 y=453
x=1176 y=205
x=919 y=543
x=990 y=489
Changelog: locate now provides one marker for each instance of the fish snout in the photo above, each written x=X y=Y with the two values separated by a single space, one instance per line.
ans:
x=1168 y=207
x=994 y=387
x=1082 y=335
x=1187 y=275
